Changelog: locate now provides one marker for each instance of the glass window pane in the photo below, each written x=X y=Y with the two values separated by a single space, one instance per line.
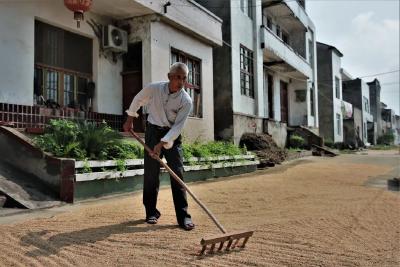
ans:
x=51 y=85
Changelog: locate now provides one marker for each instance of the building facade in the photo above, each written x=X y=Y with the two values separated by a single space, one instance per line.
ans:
x=265 y=72
x=356 y=92
x=375 y=103
x=45 y=58
x=330 y=96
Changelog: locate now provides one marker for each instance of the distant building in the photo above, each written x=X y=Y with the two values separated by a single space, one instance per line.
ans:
x=265 y=73
x=330 y=92
x=375 y=100
x=356 y=92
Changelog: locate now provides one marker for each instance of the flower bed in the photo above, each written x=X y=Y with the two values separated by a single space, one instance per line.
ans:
x=106 y=163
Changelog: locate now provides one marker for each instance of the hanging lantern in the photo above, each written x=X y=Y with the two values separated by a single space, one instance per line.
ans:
x=78 y=7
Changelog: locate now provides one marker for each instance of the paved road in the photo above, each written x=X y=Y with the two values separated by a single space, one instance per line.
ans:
x=309 y=212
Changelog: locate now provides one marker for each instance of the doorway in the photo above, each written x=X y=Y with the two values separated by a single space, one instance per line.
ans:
x=132 y=82
x=270 y=82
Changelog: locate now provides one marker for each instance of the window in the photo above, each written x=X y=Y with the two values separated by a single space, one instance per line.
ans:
x=278 y=31
x=246 y=72
x=311 y=53
x=339 y=124
x=365 y=130
x=269 y=23
x=312 y=100
x=63 y=66
x=285 y=37
x=193 y=84
x=366 y=104
x=337 y=87
x=250 y=9
x=247 y=9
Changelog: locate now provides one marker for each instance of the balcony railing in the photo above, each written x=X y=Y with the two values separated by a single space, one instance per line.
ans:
x=284 y=52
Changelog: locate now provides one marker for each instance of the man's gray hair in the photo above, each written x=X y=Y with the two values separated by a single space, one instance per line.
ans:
x=179 y=66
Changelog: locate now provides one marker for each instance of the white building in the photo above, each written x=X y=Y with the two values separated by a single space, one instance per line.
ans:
x=44 y=54
x=265 y=73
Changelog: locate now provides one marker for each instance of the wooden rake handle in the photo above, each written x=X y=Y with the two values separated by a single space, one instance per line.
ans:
x=177 y=179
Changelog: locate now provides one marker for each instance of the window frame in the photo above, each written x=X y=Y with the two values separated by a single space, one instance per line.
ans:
x=61 y=72
x=193 y=84
x=337 y=87
x=338 y=124
x=246 y=71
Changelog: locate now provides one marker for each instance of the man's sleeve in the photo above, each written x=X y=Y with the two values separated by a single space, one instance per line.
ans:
x=177 y=127
x=142 y=98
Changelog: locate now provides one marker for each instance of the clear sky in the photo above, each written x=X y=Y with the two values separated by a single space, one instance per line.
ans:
x=367 y=33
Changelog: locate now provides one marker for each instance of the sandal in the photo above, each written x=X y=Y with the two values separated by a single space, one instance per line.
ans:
x=187 y=224
x=152 y=220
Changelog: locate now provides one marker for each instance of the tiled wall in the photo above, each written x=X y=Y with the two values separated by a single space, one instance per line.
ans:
x=21 y=116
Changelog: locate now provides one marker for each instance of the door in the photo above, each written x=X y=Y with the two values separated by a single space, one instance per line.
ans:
x=284 y=102
x=132 y=82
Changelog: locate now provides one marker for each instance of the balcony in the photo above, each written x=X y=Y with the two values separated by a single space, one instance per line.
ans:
x=187 y=15
x=291 y=12
x=280 y=57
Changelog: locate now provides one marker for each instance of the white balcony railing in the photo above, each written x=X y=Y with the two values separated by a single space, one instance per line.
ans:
x=284 y=52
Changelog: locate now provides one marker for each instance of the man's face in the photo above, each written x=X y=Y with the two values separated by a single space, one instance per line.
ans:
x=177 y=80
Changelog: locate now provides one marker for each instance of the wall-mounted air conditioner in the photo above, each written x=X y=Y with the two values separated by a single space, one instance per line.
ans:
x=115 y=39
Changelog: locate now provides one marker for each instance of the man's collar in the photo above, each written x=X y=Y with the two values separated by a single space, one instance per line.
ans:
x=166 y=90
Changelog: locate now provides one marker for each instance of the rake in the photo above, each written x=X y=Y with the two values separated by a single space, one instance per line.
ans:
x=231 y=239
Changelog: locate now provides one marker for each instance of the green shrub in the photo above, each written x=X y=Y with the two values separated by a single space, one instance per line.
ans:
x=61 y=139
x=386 y=139
x=96 y=140
x=86 y=140
x=296 y=141
x=211 y=149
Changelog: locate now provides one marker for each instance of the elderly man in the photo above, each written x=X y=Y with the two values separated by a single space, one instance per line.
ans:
x=168 y=106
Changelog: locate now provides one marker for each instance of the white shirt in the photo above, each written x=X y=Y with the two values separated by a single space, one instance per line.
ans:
x=165 y=109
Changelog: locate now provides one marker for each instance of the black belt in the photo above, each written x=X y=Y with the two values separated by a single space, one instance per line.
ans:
x=164 y=128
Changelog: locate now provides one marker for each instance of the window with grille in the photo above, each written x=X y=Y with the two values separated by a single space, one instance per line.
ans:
x=63 y=66
x=246 y=72
x=337 y=87
x=339 y=124
x=193 y=84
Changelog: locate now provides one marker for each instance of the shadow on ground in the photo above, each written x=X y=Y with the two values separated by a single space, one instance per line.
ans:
x=52 y=245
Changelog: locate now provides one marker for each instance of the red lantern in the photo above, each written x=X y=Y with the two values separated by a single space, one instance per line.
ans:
x=78 y=7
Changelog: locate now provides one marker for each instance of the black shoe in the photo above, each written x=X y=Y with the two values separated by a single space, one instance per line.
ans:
x=187 y=224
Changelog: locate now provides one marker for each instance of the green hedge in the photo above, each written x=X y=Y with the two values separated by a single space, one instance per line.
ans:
x=87 y=140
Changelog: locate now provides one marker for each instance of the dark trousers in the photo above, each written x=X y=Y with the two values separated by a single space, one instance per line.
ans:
x=151 y=183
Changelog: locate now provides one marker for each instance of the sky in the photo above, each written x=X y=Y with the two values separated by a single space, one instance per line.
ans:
x=367 y=33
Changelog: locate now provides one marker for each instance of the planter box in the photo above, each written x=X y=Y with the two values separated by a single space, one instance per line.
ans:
x=102 y=182
x=65 y=180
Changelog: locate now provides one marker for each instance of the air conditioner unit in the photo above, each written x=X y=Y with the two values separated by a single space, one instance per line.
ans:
x=115 y=39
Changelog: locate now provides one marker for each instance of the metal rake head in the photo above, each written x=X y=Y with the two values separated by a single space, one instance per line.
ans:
x=232 y=240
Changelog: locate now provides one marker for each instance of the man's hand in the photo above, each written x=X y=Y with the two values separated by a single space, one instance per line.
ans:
x=157 y=150
x=128 y=125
